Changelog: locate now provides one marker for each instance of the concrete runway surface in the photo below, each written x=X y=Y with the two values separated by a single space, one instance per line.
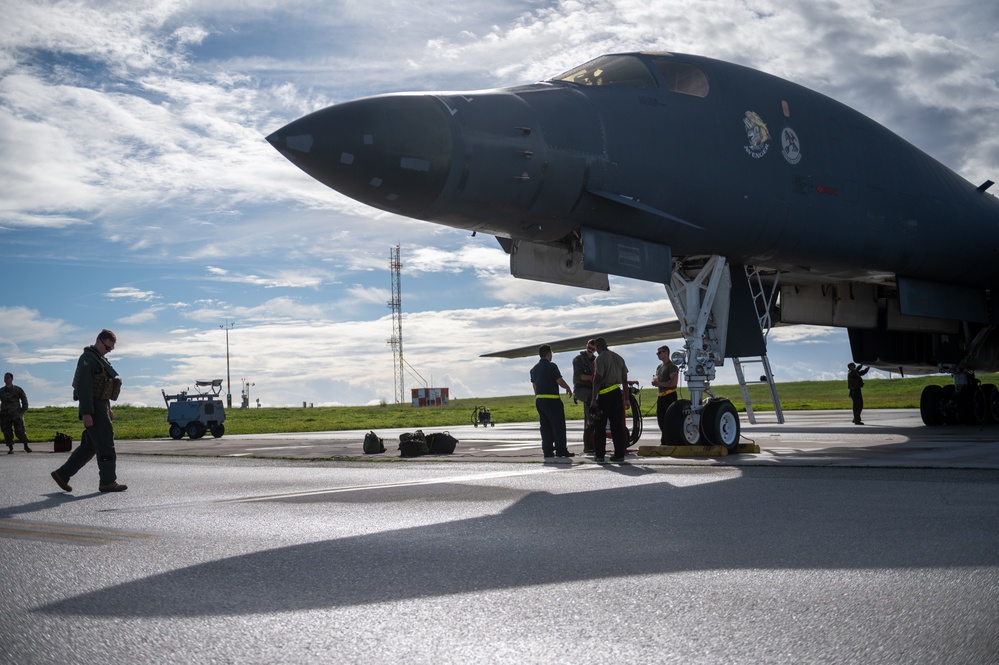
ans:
x=837 y=543
x=890 y=437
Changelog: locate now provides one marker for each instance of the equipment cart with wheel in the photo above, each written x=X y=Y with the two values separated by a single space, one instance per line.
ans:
x=196 y=414
x=481 y=416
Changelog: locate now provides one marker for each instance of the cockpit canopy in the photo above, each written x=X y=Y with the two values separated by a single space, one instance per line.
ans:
x=634 y=72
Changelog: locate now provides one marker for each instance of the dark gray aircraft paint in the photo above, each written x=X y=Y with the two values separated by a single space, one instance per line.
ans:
x=648 y=165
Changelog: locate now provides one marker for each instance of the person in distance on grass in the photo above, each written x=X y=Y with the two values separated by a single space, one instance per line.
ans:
x=13 y=404
x=96 y=385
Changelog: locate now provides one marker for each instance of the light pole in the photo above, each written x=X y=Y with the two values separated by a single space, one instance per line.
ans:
x=228 y=381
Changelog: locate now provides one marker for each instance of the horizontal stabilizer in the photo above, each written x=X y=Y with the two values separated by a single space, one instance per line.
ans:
x=651 y=332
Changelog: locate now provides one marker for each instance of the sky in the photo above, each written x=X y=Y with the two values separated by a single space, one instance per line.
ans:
x=137 y=191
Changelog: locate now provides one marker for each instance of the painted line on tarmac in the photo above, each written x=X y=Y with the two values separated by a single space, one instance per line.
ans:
x=255 y=450
x=360 y=488
x=413 y=483
x=508 y=449
x=62 y=533
x=307 y=445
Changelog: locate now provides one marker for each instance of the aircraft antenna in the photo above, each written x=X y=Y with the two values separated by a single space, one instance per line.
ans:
x=395 y=265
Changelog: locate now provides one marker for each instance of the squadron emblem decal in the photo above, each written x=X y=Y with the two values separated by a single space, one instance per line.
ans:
x=758 y=135
x=790 y=146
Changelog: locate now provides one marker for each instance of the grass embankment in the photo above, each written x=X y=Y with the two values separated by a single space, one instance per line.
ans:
x=150 y=422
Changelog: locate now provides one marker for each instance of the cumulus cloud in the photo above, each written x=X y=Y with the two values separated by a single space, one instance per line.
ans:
x=23 y=324
x=289 y=278
x=145 y=316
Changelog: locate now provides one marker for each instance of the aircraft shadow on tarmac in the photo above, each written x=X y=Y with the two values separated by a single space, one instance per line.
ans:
x=755 y=519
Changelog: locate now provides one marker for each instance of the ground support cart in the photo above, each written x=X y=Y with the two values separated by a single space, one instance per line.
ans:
x=198 y=413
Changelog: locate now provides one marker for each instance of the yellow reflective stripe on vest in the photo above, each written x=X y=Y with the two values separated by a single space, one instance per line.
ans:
x=547 y=396
x=608 y=389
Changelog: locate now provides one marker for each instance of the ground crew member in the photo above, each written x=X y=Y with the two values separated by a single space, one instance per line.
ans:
x=13 y=404
x=546 y=379
x=665 y=381
x=582 y=390
x=95 y=384
x=610 y=376
x=856 y=385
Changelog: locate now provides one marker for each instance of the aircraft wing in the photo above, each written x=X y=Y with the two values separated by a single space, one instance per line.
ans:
x=651 y=332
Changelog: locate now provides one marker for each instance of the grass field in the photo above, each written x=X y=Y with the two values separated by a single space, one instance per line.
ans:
x=150 y=422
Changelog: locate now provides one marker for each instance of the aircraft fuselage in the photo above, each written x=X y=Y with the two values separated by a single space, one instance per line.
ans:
x=658 y=166
x=762 y=170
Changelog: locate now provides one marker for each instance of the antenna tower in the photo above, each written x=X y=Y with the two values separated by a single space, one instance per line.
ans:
x=395 y=265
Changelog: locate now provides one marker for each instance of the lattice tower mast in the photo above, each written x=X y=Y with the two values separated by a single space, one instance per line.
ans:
x=395 y=265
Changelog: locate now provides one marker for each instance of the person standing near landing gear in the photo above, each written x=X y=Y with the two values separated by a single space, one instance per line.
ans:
x=13 y=404
x=546 y=379
x=96 y=384
x=582 y=391
x=610 y=378
x=856 y=386
x=665 y=381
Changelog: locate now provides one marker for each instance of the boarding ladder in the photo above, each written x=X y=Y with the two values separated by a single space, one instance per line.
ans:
x=764 y=300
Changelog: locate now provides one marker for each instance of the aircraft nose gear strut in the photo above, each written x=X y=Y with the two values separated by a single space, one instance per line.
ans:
x=700 y=296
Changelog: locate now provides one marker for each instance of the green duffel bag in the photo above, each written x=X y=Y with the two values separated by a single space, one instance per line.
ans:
x=413 y=444
x=373 y=444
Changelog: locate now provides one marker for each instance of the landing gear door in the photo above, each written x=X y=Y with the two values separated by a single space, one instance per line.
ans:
x=555 y=264
x=616 y=254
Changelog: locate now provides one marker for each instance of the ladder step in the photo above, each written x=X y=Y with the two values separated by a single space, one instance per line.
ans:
x=766 y=379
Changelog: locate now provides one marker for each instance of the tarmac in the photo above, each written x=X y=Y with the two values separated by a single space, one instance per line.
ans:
x=889 y=438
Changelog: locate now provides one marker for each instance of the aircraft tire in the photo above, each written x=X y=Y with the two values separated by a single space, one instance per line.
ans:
x=720 y=424
x=680 y=429
x=636 y=420
x=218 y=430
x=992 y=399
x=195 y=430
x=930 y=406
x=972 y=409
x=176 y=431
x=948 y=405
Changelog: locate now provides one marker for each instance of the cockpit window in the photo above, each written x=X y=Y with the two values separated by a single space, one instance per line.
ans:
x=683 y=77
x=621 y=70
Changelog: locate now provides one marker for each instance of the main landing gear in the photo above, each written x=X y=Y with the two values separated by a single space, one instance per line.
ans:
x=966 y=402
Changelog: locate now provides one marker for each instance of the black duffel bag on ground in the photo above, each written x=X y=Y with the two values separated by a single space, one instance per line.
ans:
x=441 y=443
x=413 y=444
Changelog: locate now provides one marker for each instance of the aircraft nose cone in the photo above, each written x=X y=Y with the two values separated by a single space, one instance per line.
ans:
x=390 y=152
